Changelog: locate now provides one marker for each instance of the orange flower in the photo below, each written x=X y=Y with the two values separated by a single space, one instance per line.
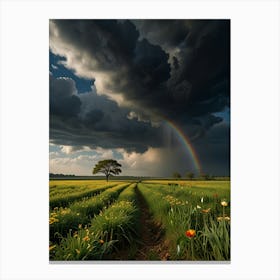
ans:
x=101 y=241
x=190 y=233
x=86 y=238
x=206 y=210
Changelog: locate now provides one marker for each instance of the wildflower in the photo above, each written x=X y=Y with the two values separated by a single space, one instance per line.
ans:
x=101 y=241
x=78 y=214
x=201 y=200
x=53 y=220
x=52 y=247
x=224 y=203
x=190 y=233
x=86 y=238
x=206 y=210
x=75 y=234
x=198 y=207
x=80 y=226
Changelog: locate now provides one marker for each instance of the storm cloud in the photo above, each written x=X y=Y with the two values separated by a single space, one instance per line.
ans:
x=144 y=73
x=95 y=121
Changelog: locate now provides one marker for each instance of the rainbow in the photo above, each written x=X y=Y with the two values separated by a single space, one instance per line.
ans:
x=182 y=137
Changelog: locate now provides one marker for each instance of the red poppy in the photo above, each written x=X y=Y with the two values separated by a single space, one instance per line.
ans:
x=190 y=233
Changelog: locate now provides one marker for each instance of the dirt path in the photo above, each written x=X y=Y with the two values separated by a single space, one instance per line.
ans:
x=151 y=245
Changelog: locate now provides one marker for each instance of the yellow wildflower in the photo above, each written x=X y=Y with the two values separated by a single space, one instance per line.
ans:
x=53 y=220
x=219 y=219
x=224 y=203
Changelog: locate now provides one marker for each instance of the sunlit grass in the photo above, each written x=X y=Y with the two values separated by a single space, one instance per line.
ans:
x=194 y=218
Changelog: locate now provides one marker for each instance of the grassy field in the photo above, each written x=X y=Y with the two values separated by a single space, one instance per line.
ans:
x=139 y=220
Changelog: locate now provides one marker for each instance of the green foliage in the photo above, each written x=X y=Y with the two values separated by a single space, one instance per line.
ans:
x=179 y=209
x=116 y=222
x=93 y=205
x=62 y=220
x=205 y=176
x=108 y=167
x=176 y=175
x=128 y=194
x=115 y=225
x=81 y=212
x=96 y=227
x=81 y=245
x=62 y=200
x=190 y=175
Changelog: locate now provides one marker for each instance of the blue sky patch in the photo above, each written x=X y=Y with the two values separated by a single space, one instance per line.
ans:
x=59 y=70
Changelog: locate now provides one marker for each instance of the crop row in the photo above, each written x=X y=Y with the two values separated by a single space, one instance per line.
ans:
x=112 y=228
x=59 y=187
x=178 y=195
x=210 y=234
x=80 y=212
x=63 y=200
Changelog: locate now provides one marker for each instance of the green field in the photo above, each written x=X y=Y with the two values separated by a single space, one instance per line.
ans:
x=139 y=220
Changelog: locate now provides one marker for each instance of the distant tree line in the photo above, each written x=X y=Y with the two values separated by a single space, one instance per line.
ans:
x=61 y=175
x=201 y=176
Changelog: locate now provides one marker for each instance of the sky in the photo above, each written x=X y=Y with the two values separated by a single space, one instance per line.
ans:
x=152 y=94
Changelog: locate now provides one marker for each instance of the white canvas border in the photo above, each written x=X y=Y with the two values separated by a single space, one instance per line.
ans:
x=254 y=138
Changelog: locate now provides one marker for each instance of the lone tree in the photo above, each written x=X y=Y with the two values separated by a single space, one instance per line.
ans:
x=108 y=167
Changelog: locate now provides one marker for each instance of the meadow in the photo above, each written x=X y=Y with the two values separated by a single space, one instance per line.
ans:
x=139 y=220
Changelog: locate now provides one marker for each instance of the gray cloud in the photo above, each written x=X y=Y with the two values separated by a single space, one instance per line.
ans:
x=95 y=121
x=63 y=100
x=145 y=72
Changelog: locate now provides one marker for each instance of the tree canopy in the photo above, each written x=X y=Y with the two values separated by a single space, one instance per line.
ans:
x=190 y=175
x=107 y=167
x=177 y=175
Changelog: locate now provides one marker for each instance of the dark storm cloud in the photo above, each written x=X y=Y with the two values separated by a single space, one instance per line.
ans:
x=94 y=121
x=199 y=84
x=63 y=102
x=165 y=69
x=167 y=33
x=214 y=150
